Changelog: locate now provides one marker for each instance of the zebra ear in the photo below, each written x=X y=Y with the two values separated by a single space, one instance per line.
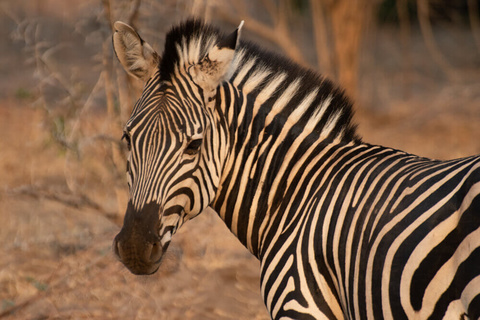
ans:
x=136 y=56
x=213 y=69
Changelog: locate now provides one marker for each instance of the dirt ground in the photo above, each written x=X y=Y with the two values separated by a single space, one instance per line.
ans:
x=56 y=260
x=55 y=253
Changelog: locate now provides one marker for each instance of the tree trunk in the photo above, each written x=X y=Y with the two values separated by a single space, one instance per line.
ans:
x=349 y=19
x=340 y=25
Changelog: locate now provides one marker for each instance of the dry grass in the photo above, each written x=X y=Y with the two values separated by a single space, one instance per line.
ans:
x=57 y=262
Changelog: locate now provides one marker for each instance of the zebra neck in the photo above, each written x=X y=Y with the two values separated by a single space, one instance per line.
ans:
x=253 y=189
x=275 y=112
x=263 y=149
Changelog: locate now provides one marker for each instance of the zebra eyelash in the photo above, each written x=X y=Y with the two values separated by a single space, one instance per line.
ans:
x=126 y=137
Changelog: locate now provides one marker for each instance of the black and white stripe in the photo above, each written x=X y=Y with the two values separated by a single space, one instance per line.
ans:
x=342 y=229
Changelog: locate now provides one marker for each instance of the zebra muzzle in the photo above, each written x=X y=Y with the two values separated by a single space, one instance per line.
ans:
x=138 y=245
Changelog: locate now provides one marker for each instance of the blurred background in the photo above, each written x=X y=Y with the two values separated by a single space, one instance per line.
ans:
x=412 y=67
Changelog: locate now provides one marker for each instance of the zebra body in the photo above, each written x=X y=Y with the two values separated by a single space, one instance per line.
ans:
x=342 y=229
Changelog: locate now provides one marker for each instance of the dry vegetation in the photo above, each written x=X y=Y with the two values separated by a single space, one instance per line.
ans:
x=63 y=102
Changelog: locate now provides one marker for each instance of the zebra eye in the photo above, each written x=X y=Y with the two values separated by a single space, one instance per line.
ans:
x=126 y=137
x=193 y=146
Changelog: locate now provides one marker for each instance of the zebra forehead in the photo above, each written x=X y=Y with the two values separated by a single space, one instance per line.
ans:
x=186 y=44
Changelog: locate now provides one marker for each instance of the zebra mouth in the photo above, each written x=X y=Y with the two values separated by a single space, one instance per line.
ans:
x=154 y=271
x=146 y=272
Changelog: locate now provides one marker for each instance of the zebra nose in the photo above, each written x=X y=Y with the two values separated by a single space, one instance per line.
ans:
x=152 y=252
x=139 y=259
x=138 y=244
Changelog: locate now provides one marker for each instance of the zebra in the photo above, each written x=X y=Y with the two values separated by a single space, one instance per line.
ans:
x=343 y=229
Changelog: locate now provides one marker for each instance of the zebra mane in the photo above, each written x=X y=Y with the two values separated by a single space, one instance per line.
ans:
x=319 y=105
x=187 y=43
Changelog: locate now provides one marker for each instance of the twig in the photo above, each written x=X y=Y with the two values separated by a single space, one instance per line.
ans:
x=322 y=43
x=426 y=29
x=50 y=286
x=107 y=9
x=277 y=34
x=404 y=21
x=9 y=311
x=76 y=201
x=474 y=20
x=133 y=14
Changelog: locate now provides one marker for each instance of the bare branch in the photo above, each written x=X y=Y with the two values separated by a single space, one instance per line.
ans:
x=271 y=7
x=473 y=14
x=133 y=14
x=277 y=34
x=423 y=7
x=404 y=20
x=53 y=284
x=107 y=9
x=77 y=201
x=322 y=43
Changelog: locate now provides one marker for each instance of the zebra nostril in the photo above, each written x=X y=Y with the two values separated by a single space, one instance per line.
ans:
x=156 y=253
x=116 y=249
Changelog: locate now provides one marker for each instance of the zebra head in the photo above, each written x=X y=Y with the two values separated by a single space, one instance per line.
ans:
x=174 y=136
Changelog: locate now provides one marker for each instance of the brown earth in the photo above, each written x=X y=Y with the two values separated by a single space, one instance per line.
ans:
x=56 y=260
